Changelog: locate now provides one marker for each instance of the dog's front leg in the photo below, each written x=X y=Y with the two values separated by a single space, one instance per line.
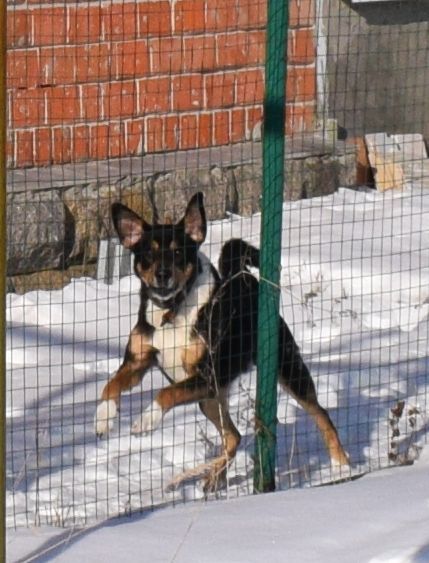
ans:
x=128 y=376
x=194 y=389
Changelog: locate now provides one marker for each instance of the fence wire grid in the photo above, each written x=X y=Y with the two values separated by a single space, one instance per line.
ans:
x=147 y=103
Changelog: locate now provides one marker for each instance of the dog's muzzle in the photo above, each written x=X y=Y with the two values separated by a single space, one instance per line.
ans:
x=164 y=278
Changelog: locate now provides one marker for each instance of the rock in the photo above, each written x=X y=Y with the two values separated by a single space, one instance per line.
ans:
x=172 y=191
x=248 y=186
x=89 y=211
x=36 y=229
x=136 y=196
x=347 y=174
x=315 y=176
x=294 y=179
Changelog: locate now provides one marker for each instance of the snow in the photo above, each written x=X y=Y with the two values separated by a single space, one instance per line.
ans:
x=381 y=518
x=355 y=292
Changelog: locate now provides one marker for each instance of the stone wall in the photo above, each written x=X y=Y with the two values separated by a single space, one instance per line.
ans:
x=55 y=234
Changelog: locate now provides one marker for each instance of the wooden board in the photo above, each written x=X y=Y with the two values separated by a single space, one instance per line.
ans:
x=398 y=160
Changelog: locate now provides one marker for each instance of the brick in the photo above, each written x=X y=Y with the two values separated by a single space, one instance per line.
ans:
x=18 y=28
x=73 y=2
x=252 y=13
x=61 y=149
x=199 y=54
x=93 y=63
x=187 y=92
x=254 y=117
x=171 y=133
x=240 y=49
x=299 y=118
x=84 y=25
x=50 y=2
x=250 y=87
x=188 y=131
x=130 y=59
x=256 y=47
x=221 y=128
x=154 y=134
x=153 y=95
x=57 y=65
x=119 y=21
x=301 y=46
x=27 y=108
x=75 y=64
x=221 y=15
x=238 y=125
x=301 y=84
x=220 y=90
x=242 y=14
x=49 y=26
x=119 y=99
x=232 y=50
x=134 y=136
x=301 y=13
x=98 y=145
x=205 y=130
x=22 y=68
x=189 y=16
x=80 y=142
x=154 y=18
x=92 y=102
x=116 y=140
x=43 y=146
x=24 y=148
x=10 y=147
x=166 y=55
x=63 y=104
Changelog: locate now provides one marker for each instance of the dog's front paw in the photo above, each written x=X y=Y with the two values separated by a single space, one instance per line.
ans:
x=149 y=420
x=104 y=417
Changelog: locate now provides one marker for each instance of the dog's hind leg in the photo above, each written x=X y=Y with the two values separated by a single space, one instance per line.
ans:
x=214 y=471
x=296 y=379
x=327 y=429
x=216 y=410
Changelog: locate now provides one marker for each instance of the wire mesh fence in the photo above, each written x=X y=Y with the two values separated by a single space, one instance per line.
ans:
x=147 y=104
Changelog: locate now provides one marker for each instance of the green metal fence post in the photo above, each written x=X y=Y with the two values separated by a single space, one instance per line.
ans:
x=273 y=152
x=2 y=279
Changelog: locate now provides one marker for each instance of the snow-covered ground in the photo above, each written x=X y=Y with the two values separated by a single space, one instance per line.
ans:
x=381 y=518
x=355 y=292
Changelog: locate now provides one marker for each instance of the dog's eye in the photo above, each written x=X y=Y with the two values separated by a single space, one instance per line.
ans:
x=178 y=254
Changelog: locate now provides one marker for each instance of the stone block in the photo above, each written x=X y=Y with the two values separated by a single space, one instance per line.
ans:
x=36 y=232
x=248 y=187
x=89 y=214
x=171 y=192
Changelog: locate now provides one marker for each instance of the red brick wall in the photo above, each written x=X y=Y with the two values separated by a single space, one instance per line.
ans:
x=92 y=80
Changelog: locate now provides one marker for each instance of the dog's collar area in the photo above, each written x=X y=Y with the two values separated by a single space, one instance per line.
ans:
x=172 y=303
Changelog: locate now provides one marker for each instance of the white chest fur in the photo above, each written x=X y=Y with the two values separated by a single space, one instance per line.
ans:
x=172 y=337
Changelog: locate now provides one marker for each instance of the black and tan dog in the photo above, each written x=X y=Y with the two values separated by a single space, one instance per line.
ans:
x=200 y=328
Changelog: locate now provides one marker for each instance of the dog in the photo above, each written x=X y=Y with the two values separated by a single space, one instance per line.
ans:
x=199 y=326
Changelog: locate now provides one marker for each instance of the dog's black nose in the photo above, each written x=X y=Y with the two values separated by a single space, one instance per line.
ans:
x=163 y=275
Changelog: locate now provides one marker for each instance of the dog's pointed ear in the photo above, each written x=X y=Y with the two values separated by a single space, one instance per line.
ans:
x=129 y=226
x=194 y=220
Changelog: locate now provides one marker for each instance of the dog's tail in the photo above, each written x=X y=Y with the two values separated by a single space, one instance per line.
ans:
x=237 y=255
